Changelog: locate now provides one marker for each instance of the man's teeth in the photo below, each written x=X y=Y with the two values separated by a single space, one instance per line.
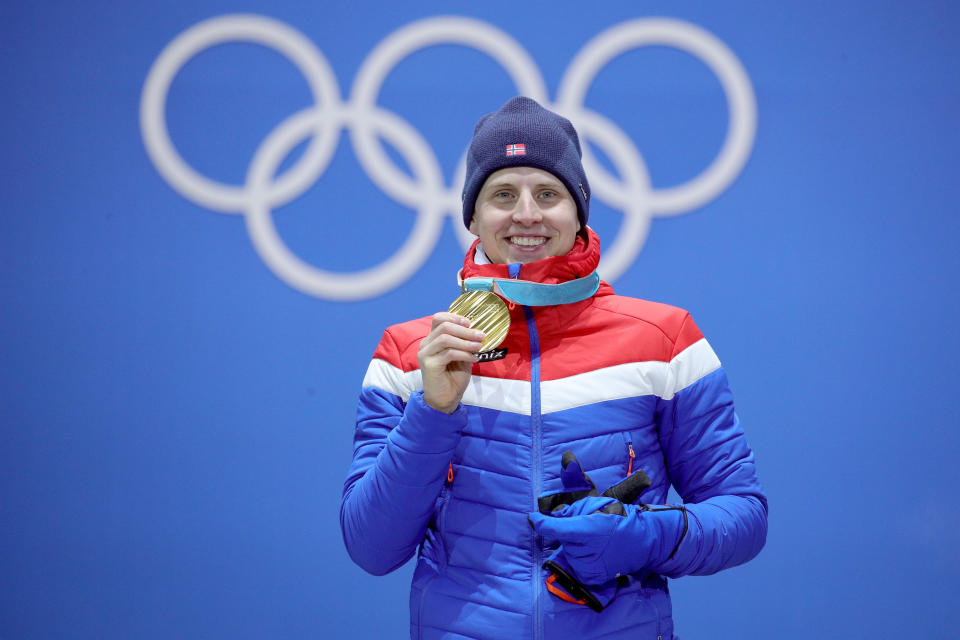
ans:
x=527 y=241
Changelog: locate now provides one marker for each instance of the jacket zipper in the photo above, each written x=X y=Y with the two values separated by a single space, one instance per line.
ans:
x=536 y=427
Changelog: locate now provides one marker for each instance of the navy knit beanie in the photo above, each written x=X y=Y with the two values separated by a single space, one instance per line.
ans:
x=524 y=134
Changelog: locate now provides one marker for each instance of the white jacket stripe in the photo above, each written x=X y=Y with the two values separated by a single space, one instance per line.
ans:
x=383 y=375
x=499 y=394
x=662 y=379
x=491 y=393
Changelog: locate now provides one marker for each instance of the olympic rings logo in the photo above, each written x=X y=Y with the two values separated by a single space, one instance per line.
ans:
x=426 y=192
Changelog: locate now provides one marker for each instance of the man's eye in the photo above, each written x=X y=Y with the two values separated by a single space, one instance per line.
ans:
x=548 y=194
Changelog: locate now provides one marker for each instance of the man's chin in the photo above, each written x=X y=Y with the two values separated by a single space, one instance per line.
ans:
x=524 y=256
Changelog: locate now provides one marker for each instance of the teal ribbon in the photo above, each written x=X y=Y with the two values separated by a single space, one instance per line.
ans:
x=537 y=294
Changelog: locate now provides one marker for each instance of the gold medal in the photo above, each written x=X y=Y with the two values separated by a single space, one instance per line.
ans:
x=487 y=312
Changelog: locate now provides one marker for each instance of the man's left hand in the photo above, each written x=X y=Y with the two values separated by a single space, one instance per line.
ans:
x=600 y=547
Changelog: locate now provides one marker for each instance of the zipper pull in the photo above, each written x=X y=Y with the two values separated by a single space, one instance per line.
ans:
x=632 y=456
x=450 y=473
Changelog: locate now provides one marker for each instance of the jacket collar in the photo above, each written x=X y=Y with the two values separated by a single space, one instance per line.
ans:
x=580 y=261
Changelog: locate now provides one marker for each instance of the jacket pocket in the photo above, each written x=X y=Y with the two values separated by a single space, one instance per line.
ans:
x=639 y=450
x=436 y=533
x=443 y=500
x=431 y=563
x=423 y=578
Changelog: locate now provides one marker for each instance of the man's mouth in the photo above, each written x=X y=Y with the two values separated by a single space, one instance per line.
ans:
x=527 y=241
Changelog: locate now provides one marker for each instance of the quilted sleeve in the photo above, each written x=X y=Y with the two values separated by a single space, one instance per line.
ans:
x=401 y=451
x=710 y=464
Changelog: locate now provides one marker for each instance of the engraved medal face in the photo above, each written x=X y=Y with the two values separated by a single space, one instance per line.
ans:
x=487 y=312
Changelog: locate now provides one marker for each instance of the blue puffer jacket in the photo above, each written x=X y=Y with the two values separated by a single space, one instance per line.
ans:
x=623 y=383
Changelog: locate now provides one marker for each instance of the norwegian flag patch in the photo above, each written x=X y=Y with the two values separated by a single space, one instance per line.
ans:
x=516 y=149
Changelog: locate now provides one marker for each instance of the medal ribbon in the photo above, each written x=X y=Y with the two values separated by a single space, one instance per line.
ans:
x=537 y=294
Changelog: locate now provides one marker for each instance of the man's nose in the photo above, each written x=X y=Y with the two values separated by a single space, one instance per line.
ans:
x=527 y=212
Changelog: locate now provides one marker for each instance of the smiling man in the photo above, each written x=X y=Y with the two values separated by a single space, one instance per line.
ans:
x=494 y=467
x=524 y=214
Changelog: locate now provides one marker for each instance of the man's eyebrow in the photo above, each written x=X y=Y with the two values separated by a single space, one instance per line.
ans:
x=499 y=184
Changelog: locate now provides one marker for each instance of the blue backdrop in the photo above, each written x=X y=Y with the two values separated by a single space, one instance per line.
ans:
x=188 y=305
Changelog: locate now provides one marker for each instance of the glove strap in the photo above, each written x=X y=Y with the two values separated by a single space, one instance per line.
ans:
x=682 y=509
x=572 y=585
x=560 y=593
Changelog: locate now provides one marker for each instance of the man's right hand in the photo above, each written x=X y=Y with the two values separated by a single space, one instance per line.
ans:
x=446 y=357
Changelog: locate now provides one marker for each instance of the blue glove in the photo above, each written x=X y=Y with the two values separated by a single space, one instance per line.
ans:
x=580 y=496
x=599 y=547
x=595 y=596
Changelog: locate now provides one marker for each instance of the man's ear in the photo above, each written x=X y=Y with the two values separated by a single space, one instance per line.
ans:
x=473 y=224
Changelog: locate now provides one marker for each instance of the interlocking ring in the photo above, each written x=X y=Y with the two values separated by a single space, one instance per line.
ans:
x=425 y=191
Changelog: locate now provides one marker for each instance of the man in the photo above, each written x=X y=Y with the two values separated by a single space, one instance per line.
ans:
x=457 y=454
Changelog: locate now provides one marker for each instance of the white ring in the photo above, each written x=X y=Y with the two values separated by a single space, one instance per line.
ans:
x=308 y=278
x=287 y=41
x=716 y=55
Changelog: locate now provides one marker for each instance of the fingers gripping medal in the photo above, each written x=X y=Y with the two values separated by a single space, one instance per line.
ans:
x=487 y=312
